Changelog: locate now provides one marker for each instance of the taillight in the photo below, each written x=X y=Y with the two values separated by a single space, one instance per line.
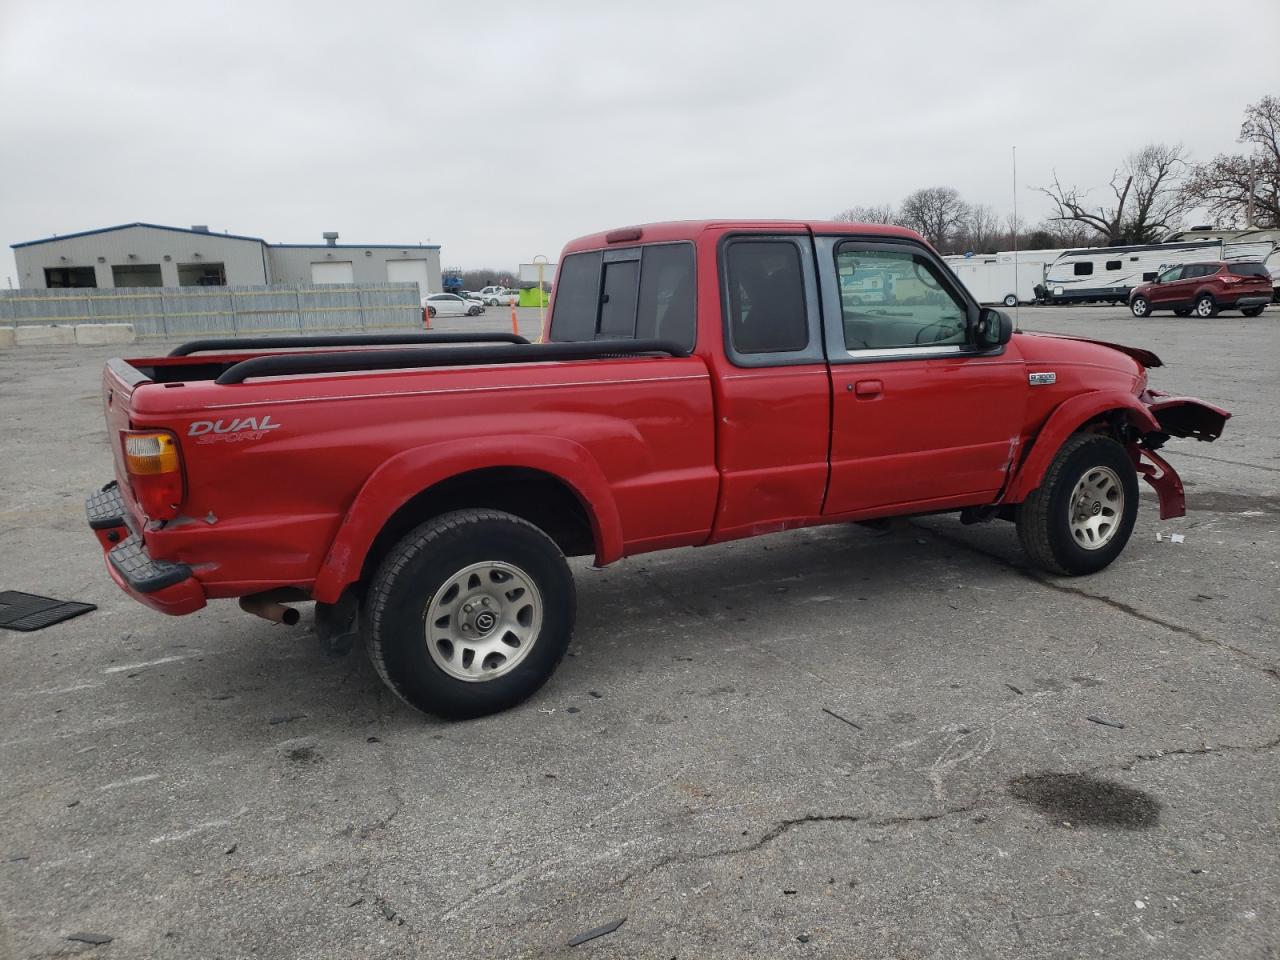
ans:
x=154 y=465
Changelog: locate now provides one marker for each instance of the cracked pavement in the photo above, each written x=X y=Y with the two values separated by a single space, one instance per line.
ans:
x=839 y=742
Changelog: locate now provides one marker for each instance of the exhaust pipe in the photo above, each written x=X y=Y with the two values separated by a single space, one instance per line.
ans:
x=259 y=606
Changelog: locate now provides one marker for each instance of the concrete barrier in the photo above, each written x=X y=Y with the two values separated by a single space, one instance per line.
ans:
x=102 y=334
x=34 y=336
x=6 y=337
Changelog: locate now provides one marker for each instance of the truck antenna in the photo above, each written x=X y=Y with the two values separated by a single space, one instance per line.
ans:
x=1017 y=301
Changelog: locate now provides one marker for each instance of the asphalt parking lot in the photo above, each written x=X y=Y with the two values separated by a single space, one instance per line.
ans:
x=837 y=742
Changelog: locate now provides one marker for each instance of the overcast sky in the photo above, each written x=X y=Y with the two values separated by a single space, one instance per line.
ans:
x=502 y=131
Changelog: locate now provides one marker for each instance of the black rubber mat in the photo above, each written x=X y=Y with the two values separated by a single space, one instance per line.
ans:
x=26 y=611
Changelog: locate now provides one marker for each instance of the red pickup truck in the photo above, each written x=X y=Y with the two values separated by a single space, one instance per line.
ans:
x=703 y=382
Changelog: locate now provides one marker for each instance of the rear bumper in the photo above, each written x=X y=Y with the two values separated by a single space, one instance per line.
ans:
x=159 y=584
x=1251 y=300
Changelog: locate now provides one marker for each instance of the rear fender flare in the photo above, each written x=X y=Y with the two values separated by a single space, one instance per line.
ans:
x=1067 y=419
x=408 y=474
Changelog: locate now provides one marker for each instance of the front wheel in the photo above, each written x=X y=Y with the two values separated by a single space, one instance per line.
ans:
x=431 y=312
x=1140 y=306
x=1080 y=517
x=473 y=312
x=470 y=613
x=1206 y=307
x=1252 y=311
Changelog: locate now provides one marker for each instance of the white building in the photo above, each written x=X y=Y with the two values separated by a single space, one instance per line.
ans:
x=151 y=255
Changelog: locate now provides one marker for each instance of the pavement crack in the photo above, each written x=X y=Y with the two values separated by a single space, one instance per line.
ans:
x=1118 y=605
x=783 y=827
x=1203 y=750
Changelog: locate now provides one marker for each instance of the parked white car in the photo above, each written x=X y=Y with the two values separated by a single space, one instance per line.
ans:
x=495 y=296
x=451 y=305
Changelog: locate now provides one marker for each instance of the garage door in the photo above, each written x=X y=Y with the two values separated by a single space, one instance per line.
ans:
x=409 y=271
x=333 y=271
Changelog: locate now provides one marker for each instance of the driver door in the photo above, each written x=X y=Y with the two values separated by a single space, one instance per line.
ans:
x=1172 y=288
x=920 y=417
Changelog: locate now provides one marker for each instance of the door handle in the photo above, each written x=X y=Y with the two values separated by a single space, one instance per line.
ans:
x=866 y=389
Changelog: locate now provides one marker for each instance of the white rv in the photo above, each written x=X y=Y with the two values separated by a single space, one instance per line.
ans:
x=1107 y=274
x=1005 y=277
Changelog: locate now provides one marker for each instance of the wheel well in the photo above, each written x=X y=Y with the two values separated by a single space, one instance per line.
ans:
x=544 y=500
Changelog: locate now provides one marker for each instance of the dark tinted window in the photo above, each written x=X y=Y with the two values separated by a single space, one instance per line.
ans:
x=766 y=297
x=1250 y=270
x=1083 y=268
x=667 y=307
x=577 y=298
x=618 y=299
x=1114 y=264
x=1148 y=277
x=649 y=297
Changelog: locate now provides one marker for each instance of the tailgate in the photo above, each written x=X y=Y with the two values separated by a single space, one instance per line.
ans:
x=119 y=380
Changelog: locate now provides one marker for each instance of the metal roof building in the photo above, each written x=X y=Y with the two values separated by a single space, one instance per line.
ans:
x=154 y=255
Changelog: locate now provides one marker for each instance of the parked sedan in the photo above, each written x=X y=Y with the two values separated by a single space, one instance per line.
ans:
x=451 y=305
x=496 y=296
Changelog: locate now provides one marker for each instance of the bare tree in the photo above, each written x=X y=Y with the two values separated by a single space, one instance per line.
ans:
x=981 y=230
x=1224 y=185
x=883 y=213
x=937 y=213
x=1147 y=200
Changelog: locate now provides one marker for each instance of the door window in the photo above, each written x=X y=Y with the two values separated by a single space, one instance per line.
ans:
x=892 y=299
x=767 y=312
x=1170 y=275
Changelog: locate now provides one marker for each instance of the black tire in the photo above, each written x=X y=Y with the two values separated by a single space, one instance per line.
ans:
x=1044 y=518
x=473 y=312
x=1206 y=307
x=431 y=311
x=1182 y=312
x=1011 y=301
x=393 y=619
x=1140 y=307
x=1253 y=311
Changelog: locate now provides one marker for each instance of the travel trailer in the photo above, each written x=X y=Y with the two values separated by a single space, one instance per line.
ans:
x=998 y=278
x=1107 y=274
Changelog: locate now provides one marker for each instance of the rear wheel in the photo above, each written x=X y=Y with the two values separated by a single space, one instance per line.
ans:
x=470 y=613
x=1011 y=301
x=1140 y=306
x=1252 y=311
x=1080 y=517
x=1206 y=306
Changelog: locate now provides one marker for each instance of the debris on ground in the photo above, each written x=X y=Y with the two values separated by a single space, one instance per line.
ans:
x=1104 y=722
x=601 y=931
x=572 y=710
x=804 y=937
x=1014 y=689
x=97 y=939
x=231 y=849
x=832 y=713
x=1173 y=537
x=356 y=902
x=286 y=718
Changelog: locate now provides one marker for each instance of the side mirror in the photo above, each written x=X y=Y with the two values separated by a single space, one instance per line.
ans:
x=994 y=329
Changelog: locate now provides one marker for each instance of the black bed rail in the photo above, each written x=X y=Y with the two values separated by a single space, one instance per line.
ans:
x=323 y=362
x=349 y=340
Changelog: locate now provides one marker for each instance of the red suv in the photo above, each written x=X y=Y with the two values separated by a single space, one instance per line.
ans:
x=1204 y=289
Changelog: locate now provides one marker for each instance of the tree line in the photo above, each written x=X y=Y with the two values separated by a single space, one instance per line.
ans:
x=1145 y=199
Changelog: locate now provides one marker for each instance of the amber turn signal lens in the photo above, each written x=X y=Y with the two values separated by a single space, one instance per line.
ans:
x=150 y=454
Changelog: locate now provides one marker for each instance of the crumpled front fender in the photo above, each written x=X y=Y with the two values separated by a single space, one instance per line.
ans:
x=1186 y=416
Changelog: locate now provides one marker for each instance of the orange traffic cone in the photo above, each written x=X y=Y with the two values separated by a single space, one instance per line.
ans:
x=515 y=326
x=426 y=318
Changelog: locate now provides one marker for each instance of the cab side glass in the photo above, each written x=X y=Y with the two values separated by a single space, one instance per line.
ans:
x=891 y=299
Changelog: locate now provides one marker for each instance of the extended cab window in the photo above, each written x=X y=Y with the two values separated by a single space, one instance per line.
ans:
x=896 y=299
x=632 y=293
x=767 y=312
